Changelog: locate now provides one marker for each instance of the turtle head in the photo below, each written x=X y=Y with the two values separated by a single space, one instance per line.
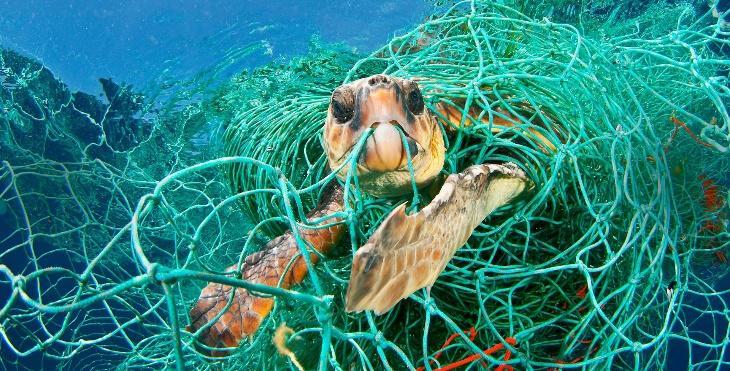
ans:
x=388 y=105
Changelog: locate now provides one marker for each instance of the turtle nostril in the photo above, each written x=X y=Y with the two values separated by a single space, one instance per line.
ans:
x=412 y=147
x=378 y=79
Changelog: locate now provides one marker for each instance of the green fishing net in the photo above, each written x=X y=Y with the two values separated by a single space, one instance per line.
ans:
x=117 y=235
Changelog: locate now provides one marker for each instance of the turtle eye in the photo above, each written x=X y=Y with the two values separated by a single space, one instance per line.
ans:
x=415 y=100
x=343 y=104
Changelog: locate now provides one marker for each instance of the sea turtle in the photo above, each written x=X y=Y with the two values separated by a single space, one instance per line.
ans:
x=406 y=252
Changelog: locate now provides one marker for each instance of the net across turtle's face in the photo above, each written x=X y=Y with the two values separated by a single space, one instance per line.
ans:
x=388 y=105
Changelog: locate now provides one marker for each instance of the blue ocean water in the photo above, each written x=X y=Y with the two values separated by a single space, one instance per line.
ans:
x=136 y=42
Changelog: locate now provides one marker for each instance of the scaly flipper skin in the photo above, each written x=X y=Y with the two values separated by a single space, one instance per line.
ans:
x=268 y=267
x=408 y=252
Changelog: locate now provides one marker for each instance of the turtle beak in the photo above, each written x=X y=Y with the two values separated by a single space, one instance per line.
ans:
x=384 y=149
x=382 y=109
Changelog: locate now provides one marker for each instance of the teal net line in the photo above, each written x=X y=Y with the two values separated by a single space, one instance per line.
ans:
x=117 y=235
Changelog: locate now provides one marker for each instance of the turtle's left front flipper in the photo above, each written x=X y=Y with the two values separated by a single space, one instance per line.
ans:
x=408 y=252
x=278 y=264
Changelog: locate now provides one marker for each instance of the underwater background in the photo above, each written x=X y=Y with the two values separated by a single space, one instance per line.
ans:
x=100 y=102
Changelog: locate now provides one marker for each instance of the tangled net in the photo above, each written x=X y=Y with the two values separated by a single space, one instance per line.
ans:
x=112 y=236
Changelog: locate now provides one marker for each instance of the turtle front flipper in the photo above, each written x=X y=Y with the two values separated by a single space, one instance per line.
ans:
x=408 y=252
x=278 y=264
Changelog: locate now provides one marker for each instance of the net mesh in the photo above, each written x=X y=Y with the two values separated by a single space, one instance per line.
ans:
x=118 y=212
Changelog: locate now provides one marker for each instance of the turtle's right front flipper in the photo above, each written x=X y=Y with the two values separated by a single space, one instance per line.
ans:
x=270 y=266
x=408 y=252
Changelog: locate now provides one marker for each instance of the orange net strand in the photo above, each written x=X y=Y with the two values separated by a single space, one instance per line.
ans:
x=680 y=124
x=472 y=335
x=489 y=351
